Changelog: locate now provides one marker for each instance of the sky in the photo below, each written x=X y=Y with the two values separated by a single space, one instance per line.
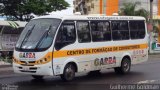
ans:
x=68 y=11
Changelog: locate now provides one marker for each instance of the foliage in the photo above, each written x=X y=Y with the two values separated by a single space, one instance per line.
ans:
x=22 y=9
x=130 y=9
x=156 y=26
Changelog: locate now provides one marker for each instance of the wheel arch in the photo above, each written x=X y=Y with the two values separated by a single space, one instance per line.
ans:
x=74 y=64
x=127 y=55
x=70 y=61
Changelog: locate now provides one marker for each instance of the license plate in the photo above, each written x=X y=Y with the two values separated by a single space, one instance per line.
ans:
x=26 y=68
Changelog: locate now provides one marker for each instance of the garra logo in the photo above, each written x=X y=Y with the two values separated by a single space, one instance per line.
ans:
x=26 y=55
x=105 y=61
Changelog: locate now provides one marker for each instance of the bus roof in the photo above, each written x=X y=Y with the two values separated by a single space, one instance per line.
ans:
x=92 y=17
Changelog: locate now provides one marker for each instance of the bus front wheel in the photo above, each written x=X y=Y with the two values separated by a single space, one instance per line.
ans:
x=68 y=73
x=37 y=77
x=125 y=67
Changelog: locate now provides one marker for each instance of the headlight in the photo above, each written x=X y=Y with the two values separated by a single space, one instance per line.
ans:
x=42 y=61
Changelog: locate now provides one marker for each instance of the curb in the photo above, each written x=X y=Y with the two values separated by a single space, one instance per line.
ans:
x=5 y=69
x=154 y=55
x=5 y=66
x=11 y=75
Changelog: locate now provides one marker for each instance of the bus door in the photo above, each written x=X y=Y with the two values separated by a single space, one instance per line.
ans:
x=66 y=36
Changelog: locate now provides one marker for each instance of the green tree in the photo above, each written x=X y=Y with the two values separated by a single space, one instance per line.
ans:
x=130 y=9
x=142 y=12
x=21 y=9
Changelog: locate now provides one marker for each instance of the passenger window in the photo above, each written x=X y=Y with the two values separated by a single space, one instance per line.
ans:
x=137 y=29
x=66 y=35
x=83 y=32
x=100 y=31
x=120 y=30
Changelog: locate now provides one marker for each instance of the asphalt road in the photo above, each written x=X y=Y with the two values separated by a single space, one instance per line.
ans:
x=141 y=74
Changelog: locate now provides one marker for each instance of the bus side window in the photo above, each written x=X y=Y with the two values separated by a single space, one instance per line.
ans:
x=100 y=31
x=137 y=29
x=120 y=30
x=83 y=32
x=66 y=35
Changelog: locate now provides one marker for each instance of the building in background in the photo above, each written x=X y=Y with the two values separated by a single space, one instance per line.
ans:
x=96 y=6
x=108 y=7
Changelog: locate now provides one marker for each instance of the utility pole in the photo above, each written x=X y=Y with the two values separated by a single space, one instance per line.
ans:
x=151 y=11
x=151 y=23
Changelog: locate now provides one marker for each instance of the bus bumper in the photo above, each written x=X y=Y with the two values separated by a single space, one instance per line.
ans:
x=45 y=70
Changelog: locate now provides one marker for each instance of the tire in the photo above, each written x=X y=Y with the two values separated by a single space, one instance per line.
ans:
x=68 y=73
x=37 y=77
x=125 y=67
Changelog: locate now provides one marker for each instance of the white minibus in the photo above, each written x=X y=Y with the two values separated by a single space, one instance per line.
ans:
x=65 y=45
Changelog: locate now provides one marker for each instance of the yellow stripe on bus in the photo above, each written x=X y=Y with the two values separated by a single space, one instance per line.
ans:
x=88 y=51
x=77 y=52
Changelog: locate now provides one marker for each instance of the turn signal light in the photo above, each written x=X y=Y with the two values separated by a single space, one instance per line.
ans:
x=42 y=61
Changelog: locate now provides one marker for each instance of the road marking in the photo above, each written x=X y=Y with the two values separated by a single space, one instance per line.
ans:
x=147 y=81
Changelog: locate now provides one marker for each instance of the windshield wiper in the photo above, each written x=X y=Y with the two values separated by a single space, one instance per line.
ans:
x=44 y=35
x=27 y=35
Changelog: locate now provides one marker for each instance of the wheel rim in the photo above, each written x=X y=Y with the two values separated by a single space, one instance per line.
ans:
x=126 y=66
x=69 y=73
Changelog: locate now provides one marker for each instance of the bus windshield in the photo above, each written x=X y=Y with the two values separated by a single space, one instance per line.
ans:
x=38 y=35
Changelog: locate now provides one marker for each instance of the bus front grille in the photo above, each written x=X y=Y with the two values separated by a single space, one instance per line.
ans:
x=30 y=69
x=28 y=63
